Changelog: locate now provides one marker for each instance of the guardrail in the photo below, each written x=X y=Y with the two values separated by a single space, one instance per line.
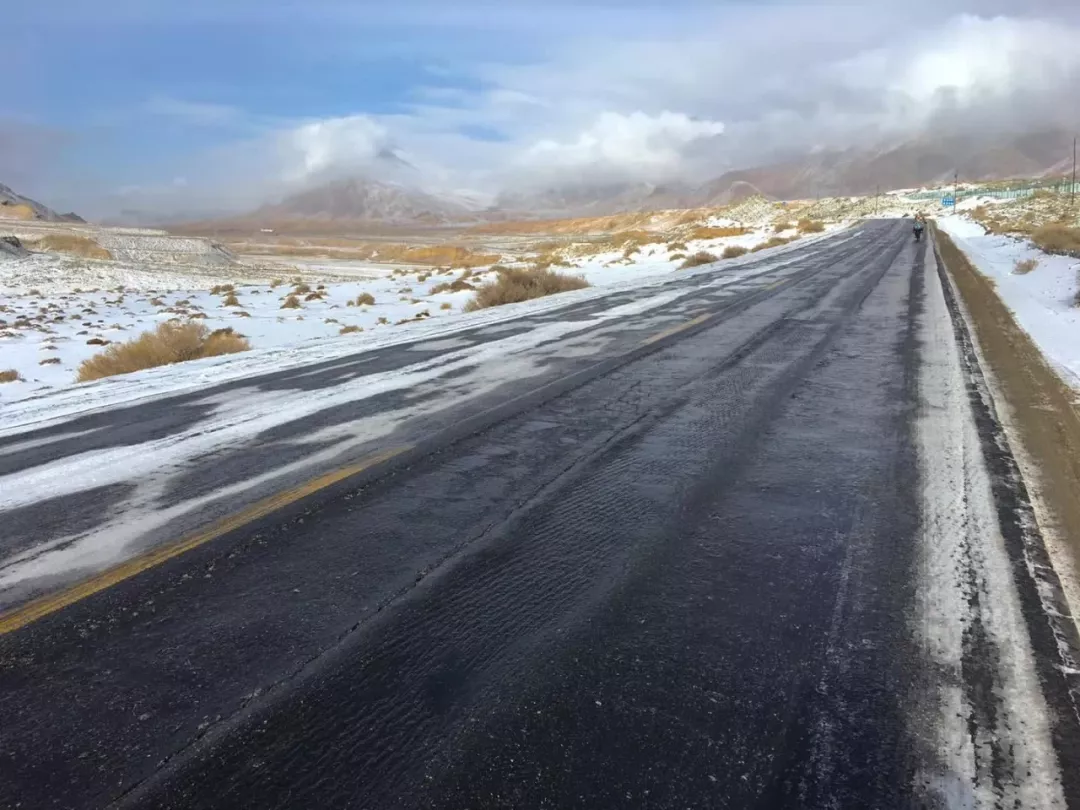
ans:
x=996 y=193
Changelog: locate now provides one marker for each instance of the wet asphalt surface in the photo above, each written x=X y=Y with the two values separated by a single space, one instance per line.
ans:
x=681 y=581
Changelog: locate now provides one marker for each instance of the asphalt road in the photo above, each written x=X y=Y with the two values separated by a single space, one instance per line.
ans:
x=760 y=547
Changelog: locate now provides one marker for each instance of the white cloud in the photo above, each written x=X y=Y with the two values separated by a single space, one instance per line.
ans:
x=636 y=145
x=581 y=103
x=351 y=143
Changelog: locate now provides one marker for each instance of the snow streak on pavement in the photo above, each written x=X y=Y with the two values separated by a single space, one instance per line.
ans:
x=517 y=343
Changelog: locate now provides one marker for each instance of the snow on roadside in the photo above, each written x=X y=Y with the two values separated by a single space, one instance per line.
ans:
x=28 y=405
x=1041 y=301
x=45 y=337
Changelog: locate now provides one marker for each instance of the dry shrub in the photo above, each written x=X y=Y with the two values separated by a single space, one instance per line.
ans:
x=240 y=313
x=231 y=300
x=677 y=247
x=292 y=302
x=457 y=285
x=698 y=259
x=782 y=226
x=49 y=361
x=169 y=343
x=302 y=288
x=315 y=296
x=405 y=291
x=34 y=293
x=97 y=342
x=383 y=320
x=550 y=259
x=733 y=252
x=716 y=233
x=365 y=300
x=11 y=375
x=72 y=245
x=771 y=242
x=218 y=289
x=811 y=226
x=674 y=257
x=1057 y=238
x=446 y=305
x=1025 y=266
x=348 y=330
x=277 y=282
x=514 y=285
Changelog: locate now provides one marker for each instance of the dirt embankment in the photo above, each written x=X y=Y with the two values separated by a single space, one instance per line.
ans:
x=1042 y=406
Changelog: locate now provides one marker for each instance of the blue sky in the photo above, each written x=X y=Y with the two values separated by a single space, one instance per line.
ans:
x=210 y=103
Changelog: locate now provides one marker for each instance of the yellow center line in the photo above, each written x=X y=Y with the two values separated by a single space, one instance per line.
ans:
x=676 y=329
x=45 y=605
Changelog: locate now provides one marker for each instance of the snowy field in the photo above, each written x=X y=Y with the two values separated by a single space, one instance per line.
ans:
x=57 y=312
x=1041 y=300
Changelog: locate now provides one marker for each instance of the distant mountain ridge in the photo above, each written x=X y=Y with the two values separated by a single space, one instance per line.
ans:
x=364 y=202
x=16 y=206
x=357 y=199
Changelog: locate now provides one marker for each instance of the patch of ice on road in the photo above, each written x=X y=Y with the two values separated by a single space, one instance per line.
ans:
x=243 y=415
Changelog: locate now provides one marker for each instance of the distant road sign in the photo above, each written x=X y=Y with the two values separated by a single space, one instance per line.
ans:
x=947 y=201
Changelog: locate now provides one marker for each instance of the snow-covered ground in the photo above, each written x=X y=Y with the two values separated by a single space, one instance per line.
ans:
x=49 y=324
x=1042 y=300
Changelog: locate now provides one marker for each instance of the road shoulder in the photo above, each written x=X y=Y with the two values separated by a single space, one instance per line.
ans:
x=1037 y=409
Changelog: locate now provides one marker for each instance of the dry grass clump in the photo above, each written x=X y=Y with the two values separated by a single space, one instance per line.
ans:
x=277 y=282
x=318 y=295
x=782 y=226
x=231 y=300
x=301 y=288
x=698 y=259
x=292 y=302
x=457 y=285
x=550 y=259
x=169 y=343
x=72 y=245
x=811 y=226
x=733 y=252
x=705 y=232
x=218 y=289
x=513 y=285
x=348 y=330
x=49 y=361
x=674 y=257
x=9 y=376
x=771 y=242
x=1025 y=266
x=1057 y=238
x=363 y=300
x=677 y=247
x=446 y=305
